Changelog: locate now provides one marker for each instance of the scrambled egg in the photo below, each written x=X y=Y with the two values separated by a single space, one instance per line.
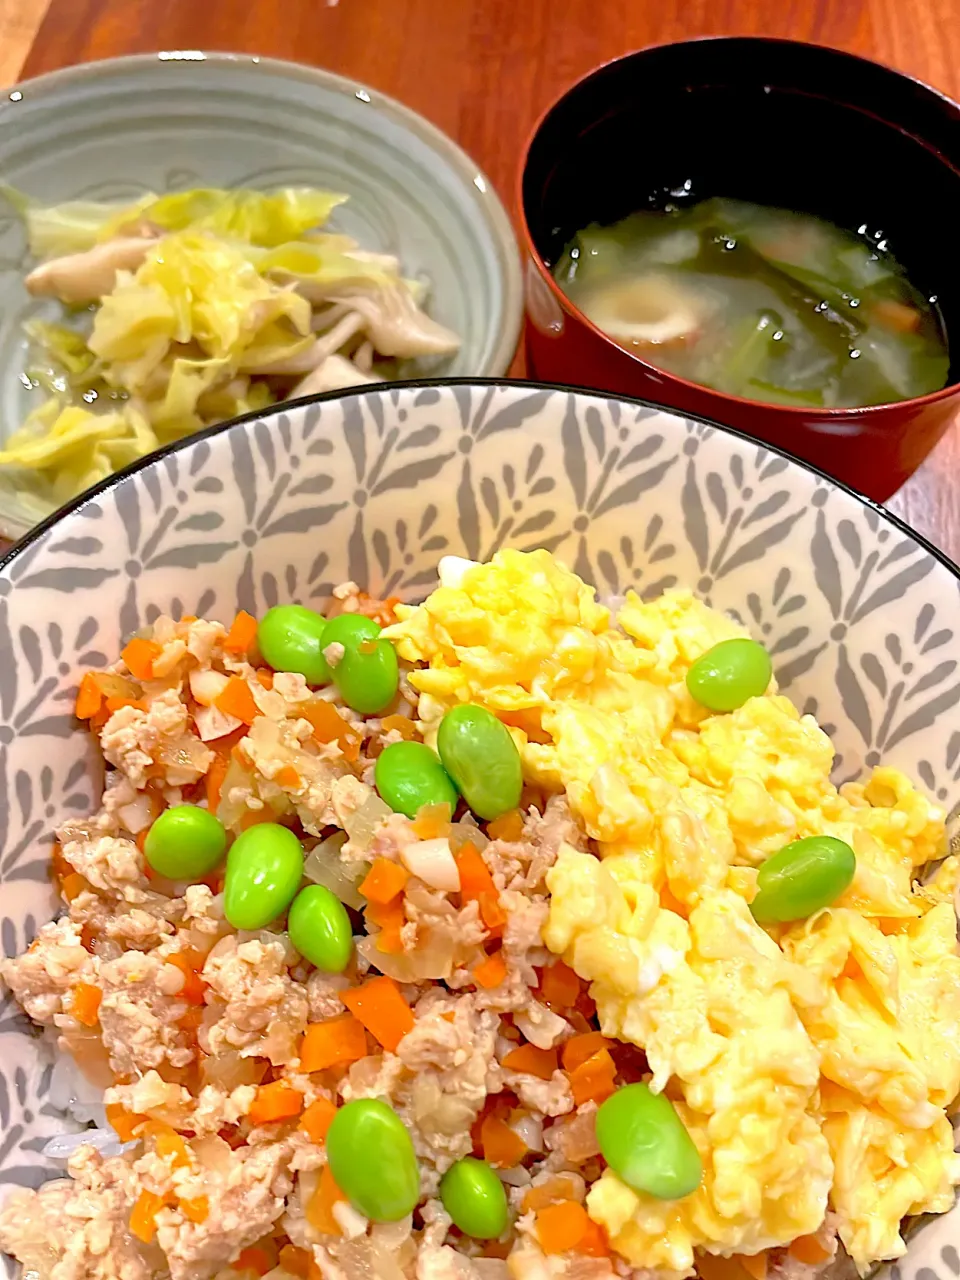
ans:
x=812 y=1064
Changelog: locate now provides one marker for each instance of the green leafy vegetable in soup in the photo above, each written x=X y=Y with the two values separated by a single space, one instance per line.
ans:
x=762 y=303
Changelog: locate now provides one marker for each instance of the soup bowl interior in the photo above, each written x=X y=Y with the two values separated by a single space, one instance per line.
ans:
x=859 y=615
x=774 y=122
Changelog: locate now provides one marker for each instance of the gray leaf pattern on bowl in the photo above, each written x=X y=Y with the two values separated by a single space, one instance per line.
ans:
x=375 y=486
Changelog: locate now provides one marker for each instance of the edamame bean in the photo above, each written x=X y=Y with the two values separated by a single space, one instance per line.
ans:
x=724 y=677
x=367 y=674
x=264 y=870
x=372 y=1160
x=290 y=638
x=320 y=929
x=644 y=1142
x=804 y=877
x=185 y=843
x=475 y=1199
x=409 y=775
x=482 y=759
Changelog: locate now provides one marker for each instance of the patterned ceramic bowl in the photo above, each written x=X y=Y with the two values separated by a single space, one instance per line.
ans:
x=862 y=619
x=167 y=122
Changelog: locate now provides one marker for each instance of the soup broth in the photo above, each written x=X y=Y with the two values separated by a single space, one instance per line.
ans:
x=761 y=303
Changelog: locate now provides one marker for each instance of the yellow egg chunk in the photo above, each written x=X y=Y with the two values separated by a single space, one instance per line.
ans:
x=711 y=1002
x=812 y=1063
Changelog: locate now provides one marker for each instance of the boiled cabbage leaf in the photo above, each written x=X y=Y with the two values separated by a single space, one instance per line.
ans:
x=198 y=292
x=73 y=448
x=253 y=217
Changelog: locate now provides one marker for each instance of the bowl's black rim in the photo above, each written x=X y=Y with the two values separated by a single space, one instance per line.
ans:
x=423 y=384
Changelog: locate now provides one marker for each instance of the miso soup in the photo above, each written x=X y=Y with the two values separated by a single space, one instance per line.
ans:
x=762 y=303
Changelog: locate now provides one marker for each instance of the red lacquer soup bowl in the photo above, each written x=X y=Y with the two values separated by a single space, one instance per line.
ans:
x=772 y=121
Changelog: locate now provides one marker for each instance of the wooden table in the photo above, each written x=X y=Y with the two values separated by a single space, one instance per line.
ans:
x=484 y=69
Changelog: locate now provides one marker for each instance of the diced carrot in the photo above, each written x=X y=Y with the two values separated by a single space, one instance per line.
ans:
x=509 y=826
x=535 y=1062
x=325 y=1044
x=808 y=1249
x=89 y=697
x=296 y=1261
x=387 y=915
x=87 y=938
x=475 y=878
x=593 y=1080
x=288 y=778
x=139 y=656
x=190 y=963
x=403 y=725
x=112 y=685
x=555 y=1189
x=256 y=1258
x=192 y=1020
x=125 y=1123
x=380 y=1006
x=73 y=885
x=384 y=881
x=222 y=755
x=265 y=678
x=86 y=1004
x=330 y=726
x=501 y=1145
x=579 y=1048
x=896 y=315
x=242 y=633
x=755 y=1264
x=236 y=700
x=167 y=1143
x=561 y=1227
x=317 y=1119
x=140 y=840
x=491 y=912
x=275 y=1101
x=390 y=917
x=594 y=1241
x=491 y=972
x=197 y=1210
x=143 y=1216
x=319 y=1209
x=432 y=822
x=559 y=986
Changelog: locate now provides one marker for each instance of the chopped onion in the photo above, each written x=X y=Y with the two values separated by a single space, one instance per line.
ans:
x=207 y=686
x=432 y=862
x=64 y=1145
x=518 y=1177
x=212 y=723
x=214 y=1153
x=138 y=815
x=365 y=1260
x=540 y=1025
x=578 y=1135
x=323 y=866
x=431 y=959
x=350 y=1222
x=363 y=822
x=466 y=832
x=491 y=1268
x=530 y=1130
x=228 y=1070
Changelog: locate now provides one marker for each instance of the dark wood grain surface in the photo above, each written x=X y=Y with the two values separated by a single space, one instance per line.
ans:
x=483 y=70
